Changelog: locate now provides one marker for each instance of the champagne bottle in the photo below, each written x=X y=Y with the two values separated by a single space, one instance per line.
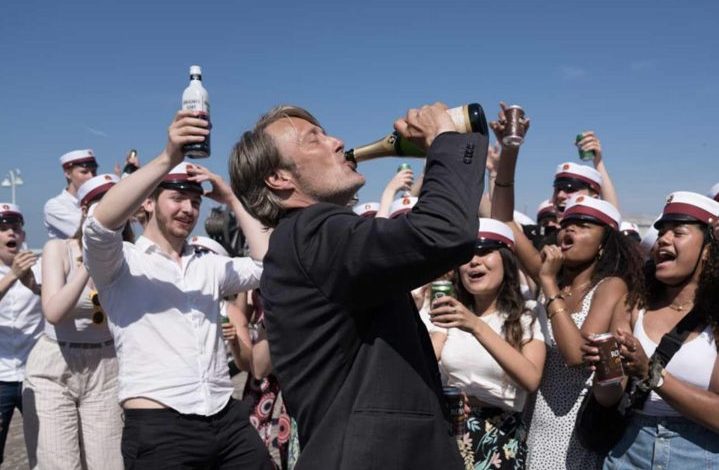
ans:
x=467 y=118
x=195 y=98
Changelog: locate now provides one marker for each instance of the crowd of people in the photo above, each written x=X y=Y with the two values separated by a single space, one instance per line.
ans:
x=118 y=341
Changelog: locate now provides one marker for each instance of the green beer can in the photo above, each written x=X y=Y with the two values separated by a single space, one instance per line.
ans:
x=584 y=155
x=441 y=288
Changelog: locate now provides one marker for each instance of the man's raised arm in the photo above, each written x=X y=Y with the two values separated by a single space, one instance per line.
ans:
x=125 y=197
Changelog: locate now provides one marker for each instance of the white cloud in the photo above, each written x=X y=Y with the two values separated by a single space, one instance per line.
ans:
x=92 y=130
x=572 y=72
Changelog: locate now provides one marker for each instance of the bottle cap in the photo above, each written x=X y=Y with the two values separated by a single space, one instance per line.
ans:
x=195 y=70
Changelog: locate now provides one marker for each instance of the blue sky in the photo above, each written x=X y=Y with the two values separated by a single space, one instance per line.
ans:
x=108 y=75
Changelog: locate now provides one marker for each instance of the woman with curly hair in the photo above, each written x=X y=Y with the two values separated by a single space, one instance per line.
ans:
x=590 y=270
x=678 y=424
x=490 y=346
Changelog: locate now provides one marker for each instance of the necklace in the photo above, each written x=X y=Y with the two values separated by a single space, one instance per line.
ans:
x=567 y=291
x=680 y=307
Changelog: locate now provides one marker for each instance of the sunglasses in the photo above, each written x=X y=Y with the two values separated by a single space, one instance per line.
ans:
x=98 y=315
x=569 y=186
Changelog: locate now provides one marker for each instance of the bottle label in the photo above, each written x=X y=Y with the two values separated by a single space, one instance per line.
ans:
x=460 y=119
x=196 y=105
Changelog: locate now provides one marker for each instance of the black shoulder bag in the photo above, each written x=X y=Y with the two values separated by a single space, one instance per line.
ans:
x=599 y=428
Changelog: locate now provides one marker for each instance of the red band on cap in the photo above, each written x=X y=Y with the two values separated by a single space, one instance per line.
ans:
x=591 y=212
x=497 y=238
x=10 y=214
x=79 y=161
x=368 y=214
x=404 y=210
x=592 y=184
x=103 y=188
x=690 y=210
x=545 y=211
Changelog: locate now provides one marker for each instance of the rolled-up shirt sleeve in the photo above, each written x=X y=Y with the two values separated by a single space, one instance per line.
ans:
x=239 y=275
x=102 y=252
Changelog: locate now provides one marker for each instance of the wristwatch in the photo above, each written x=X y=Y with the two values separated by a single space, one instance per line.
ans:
x=655 y=377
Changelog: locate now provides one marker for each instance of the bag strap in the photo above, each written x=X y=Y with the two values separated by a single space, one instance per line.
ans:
x=668 y=346
x=672 y=341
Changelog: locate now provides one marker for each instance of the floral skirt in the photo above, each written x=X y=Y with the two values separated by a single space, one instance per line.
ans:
x=494 y=439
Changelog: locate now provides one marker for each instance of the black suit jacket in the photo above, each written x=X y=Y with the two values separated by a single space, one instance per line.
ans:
x=354 y=361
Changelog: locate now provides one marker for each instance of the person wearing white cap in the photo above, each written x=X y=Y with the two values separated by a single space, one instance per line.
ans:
x=491 y=347
x=162 y=300
x=62 y=213
x=676 y=418
x=631 y=230
x=714 y=192
x=366 y=209
x=572 y=179
x=70 y=389
x=397 y=188
x=20 y=312
x=401 y=206
x=591 y=271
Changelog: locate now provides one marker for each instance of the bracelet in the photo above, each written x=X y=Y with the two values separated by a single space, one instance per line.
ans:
x=549 y=301
x=551 y=315
x=504 y=185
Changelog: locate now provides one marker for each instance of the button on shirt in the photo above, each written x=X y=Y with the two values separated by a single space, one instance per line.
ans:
x=21 y=324
x=62 y=215
x=165 y=317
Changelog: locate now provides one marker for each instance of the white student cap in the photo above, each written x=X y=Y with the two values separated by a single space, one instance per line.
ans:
x=84 y=157
x=95 y=187
x=366 y=209
x=574 y=173
x=208 y=244
x=494 y=234
x=593 y=210
x=401 y=206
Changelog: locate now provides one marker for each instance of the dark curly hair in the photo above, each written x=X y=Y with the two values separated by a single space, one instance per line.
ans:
x=620 y=257
x=509 y=299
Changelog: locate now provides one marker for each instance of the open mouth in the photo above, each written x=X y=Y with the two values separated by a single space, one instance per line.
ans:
x=566 y=243
x=11 y=244
x=474 y=276
x=664 y=256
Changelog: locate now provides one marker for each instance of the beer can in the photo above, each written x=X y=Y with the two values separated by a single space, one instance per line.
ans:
x=609 y=367
x=404 y=166
x=455 y=403
x=440 y=288
x=585 y=155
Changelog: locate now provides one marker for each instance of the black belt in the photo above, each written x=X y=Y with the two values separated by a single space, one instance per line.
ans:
x=66 y=344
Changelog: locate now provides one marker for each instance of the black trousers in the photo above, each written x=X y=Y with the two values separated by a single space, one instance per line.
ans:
x=159 y=439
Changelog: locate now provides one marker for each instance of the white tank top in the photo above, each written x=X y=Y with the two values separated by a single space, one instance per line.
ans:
x=85 y=323
x=693 y=364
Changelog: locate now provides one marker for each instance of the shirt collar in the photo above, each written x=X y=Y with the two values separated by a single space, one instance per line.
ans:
x=67 y=194
x=148 y=246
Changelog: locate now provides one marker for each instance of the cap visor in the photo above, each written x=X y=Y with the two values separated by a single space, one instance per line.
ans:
x=676 y=218
x=183 y=186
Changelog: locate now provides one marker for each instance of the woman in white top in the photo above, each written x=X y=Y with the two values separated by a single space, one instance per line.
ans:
x=72 y=416
x=678 y=425
x=491 y=347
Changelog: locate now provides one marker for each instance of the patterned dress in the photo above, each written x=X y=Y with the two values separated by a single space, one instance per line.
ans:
x=552 y=443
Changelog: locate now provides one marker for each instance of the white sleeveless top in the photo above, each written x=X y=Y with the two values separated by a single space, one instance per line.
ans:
x=85 y=323
x=693 y=364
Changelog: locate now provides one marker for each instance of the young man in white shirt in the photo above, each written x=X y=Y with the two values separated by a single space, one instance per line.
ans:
x=62 y=213
x=21 y=320
x=163 y=303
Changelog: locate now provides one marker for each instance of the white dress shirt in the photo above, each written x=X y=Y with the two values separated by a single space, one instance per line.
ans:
x=21 y=324
x=164 y=317
x=62 y=215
